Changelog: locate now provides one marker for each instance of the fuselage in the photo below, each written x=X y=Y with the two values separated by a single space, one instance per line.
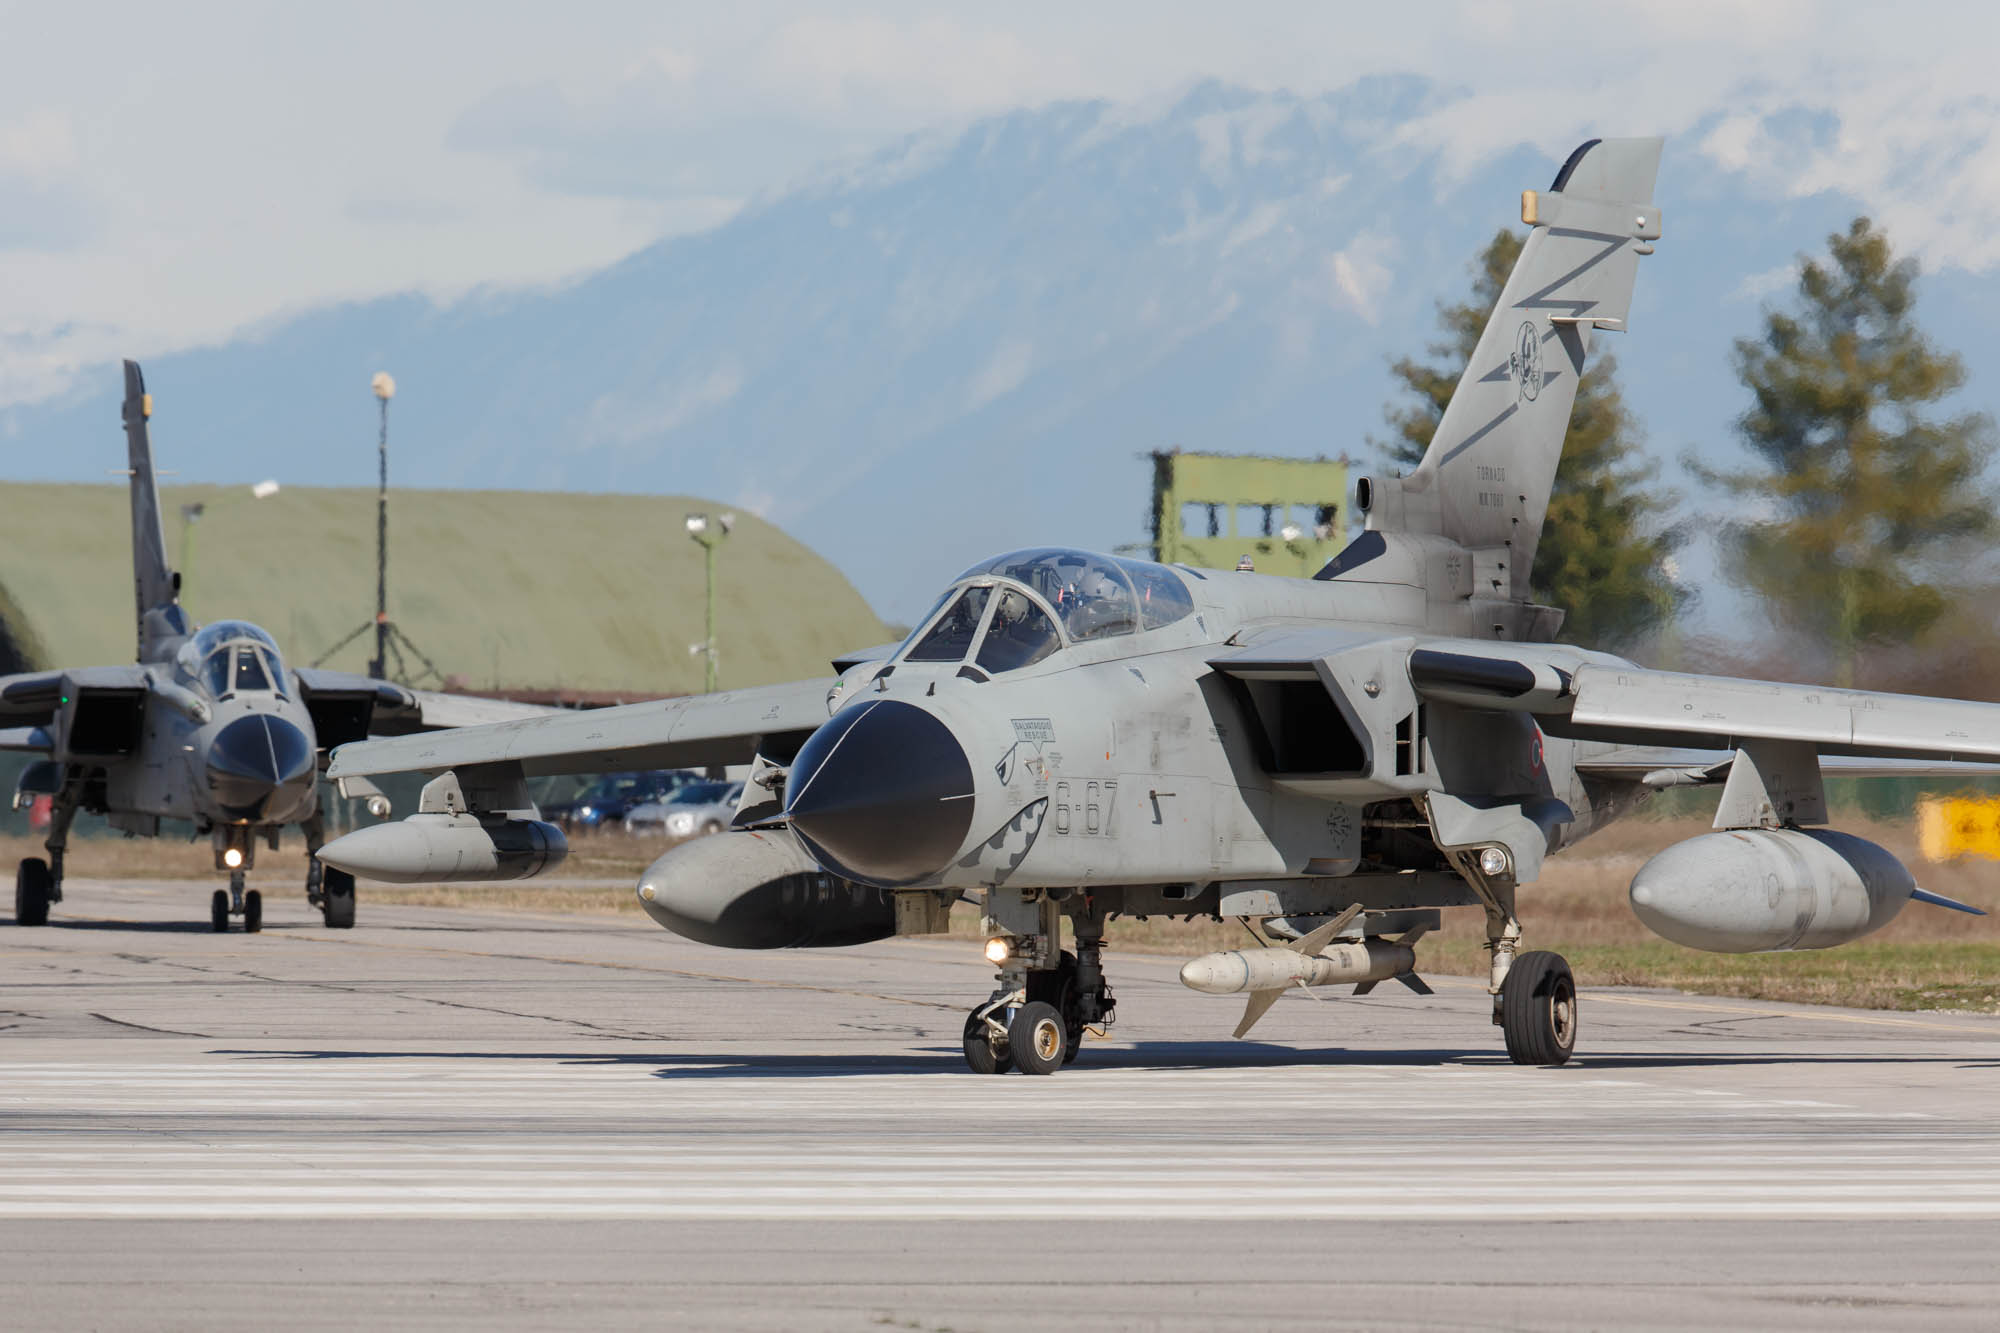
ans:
x=1160 y=739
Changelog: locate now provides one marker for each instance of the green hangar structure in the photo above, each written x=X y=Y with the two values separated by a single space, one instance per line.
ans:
x=593 y=598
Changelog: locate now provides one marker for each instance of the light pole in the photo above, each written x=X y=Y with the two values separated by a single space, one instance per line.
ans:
x=194 y=511
x=384 y=385
x=389 y=636
x=708 y=534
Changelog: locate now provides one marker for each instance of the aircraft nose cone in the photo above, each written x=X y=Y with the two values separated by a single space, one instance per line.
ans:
x=253 y=761
x=881 y=794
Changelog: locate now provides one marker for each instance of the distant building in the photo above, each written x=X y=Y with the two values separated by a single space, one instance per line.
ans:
x=1289 y=515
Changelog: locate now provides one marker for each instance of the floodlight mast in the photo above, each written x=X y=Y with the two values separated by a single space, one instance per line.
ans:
x=708 y=534
x=384 y=385
x=389 y=637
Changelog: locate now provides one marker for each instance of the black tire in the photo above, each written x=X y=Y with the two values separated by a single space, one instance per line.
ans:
x=336 y=889
x=979 y=1049
x=34 y=890
x=1538 y=1009
x=1059 y=988
x=218 y=910
x=1037 y=1038
x=253 y=912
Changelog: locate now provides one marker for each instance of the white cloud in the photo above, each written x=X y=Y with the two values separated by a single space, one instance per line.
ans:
x=1005 y=371
x=641 y=418
x=1362 y=276
x=38 y=144
x=1761 y=286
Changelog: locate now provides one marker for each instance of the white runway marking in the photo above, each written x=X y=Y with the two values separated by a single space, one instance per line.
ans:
x=273 y=1136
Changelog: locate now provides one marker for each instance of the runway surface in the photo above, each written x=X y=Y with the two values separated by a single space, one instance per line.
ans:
x=453 y=1117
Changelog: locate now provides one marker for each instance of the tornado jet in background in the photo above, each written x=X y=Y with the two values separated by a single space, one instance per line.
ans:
x=208 y=726
x=1331 y=761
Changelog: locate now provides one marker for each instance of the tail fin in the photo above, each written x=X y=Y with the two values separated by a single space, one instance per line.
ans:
x=1485 y=481
x=153 y=580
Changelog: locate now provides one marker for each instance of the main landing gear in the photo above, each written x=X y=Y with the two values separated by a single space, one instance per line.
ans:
x=330 y=890
x=1045 y=997
x=38 y=883
x=1534 y=994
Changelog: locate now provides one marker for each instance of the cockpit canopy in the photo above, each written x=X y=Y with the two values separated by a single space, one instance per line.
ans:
x=233 y=657
x=1021 y=607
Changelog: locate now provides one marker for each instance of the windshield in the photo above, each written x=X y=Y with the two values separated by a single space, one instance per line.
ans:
x=951 y=637
x=232 y=657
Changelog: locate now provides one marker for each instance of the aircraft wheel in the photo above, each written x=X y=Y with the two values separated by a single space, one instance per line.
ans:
x=1059 y=988
x=218 y=910
x=1538 y=1009
x=1036 y=1038
x=253 y=912
x=980 y=1051
x=34 y=889
x=337 y=899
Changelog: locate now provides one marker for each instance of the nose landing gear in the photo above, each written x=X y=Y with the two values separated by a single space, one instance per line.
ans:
x=1035 y=1019
x=236 y=901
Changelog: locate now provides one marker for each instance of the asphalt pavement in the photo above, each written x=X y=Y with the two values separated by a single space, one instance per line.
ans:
x=458 y=1118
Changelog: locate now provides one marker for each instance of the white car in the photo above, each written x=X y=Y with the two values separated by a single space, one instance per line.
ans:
x=694 y=811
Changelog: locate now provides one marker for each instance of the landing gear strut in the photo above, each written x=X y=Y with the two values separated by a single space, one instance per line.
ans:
x=1045 y=998
x=1534 y=994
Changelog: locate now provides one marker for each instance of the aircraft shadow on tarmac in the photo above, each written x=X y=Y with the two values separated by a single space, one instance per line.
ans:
x=1150 y=1055
x=143 y=927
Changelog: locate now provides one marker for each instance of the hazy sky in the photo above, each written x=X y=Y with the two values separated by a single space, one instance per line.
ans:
x=171 y=174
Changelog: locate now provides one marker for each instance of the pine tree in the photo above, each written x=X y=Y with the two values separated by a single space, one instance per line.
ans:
x=1603 y=554
x=1871 y=501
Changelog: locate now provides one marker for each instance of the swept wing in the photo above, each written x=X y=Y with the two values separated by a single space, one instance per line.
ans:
x=726 y=728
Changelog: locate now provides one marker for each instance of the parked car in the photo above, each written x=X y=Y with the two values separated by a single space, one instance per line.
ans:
x=606 y=802
x=696 y=810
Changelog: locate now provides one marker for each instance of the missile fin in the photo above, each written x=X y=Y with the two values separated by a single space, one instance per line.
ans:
x=1364 y=987
x=1323 y=936
x=1412 y=936
x=1259 y=1005
x=1415 y=983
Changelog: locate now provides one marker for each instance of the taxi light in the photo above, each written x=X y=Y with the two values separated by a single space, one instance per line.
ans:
x=232 y=858
x=998 y=950
x=1493 y=861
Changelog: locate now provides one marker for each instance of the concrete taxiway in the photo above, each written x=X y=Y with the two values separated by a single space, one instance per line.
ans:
x=454 y=1117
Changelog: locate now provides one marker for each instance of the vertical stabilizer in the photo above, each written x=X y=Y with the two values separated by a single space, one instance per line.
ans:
x=1485 y=481
x=152 y=578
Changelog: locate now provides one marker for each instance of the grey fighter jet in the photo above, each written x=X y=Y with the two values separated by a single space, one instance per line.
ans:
x=209 y=726
x=1331 y=761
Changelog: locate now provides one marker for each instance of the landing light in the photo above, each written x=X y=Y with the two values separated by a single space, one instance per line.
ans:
x=1493 y=861
x=998 y=950
x=232 y=858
